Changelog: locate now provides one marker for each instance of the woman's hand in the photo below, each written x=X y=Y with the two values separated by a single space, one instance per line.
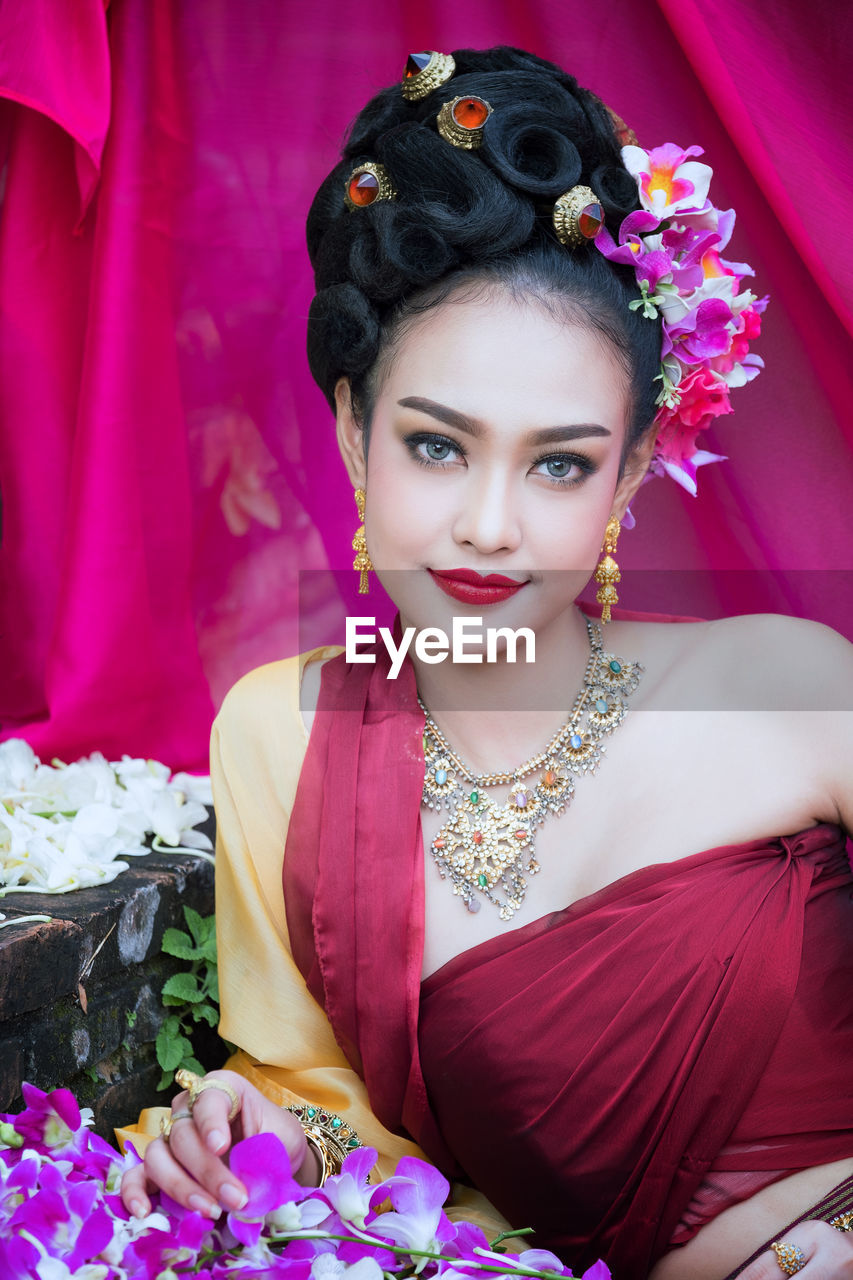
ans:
x=192 y=1166
x=828 y=1254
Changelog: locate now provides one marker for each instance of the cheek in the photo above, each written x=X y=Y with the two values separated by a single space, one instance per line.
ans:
x=407 y=508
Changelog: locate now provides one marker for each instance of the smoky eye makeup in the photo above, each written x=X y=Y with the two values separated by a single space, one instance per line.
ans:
x=435 y=451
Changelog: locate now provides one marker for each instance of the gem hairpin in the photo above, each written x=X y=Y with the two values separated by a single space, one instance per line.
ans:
x=577 y=216
x=461 y=121
x=366 y=184
x=425 y=72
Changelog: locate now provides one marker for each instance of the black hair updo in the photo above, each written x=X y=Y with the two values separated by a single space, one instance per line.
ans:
x=474 y=218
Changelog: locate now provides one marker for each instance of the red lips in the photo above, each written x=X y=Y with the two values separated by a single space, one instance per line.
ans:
x=470 y=587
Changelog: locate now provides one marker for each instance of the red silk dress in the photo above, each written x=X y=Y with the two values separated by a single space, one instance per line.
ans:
x=589 y=1069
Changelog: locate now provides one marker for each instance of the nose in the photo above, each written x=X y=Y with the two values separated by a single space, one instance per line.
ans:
x=488 y=518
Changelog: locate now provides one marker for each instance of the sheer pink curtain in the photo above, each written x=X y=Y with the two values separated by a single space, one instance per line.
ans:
x=166 y=465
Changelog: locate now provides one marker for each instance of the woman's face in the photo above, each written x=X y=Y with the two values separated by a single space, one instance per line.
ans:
x=494 y=447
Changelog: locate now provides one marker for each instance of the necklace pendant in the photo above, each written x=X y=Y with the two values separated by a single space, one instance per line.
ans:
x=485 y=849
x=482 y=848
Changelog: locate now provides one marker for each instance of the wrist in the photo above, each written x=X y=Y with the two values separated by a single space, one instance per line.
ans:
x=328 y=1139
x=310 y=1171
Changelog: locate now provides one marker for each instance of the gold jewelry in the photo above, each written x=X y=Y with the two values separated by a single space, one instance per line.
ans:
x=195 y=1085
x=366 y=184
x=362 y=560
x=486 y=846
x=425 y=72
x=167 y=1124
x=844 y=1222
x=461 y=121
x=625 y=135
x=790 y=1257
x=330 y=1136
x=607 y=571
x=577 y=217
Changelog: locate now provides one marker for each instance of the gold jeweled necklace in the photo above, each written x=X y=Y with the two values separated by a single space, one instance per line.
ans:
x=486 y=846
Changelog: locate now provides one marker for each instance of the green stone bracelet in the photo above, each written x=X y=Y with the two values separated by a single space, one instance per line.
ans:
x=332 y=1138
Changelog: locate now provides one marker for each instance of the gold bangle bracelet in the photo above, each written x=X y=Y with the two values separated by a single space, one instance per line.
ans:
x=330 y=1136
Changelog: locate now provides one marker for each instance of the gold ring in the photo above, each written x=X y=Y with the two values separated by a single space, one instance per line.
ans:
x=790 y=1257
x=166 y=1124
x=195 y=1084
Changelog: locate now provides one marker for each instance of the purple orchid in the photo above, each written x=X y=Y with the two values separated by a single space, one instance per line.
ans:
x=52 y=1121
x=702 y=333
x=60 y=1218
x=64 y=1217
x=674 y=244
x=418 y=1221
x=328 y=1267
x=263 y=1166
x=348 y=1192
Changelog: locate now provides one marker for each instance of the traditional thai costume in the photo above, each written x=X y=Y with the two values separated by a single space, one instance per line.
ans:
x=612 y=1074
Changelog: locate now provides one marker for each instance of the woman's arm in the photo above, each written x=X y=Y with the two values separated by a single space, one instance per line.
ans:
x=287 y=1050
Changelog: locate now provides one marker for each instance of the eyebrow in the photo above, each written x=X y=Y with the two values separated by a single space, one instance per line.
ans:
x=472 y=427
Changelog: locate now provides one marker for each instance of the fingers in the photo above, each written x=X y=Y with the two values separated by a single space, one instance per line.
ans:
x=134 y=1196
x=827 y=1255
x=191 y=1174
x=189 y=1166
x=212 y=1107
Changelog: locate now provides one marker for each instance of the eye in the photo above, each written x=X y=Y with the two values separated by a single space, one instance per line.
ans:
x=428 y=449
x=566 y=468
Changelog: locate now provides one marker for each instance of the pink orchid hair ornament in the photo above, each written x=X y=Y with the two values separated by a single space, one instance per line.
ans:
x=674 y=243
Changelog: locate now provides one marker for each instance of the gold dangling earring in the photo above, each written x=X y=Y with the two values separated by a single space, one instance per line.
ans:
x=362 y=560
x=607 y=571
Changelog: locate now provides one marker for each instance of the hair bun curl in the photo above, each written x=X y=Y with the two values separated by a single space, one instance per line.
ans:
x=525 y=146
x=343 y=336
x=454 y=193
x=616 y=189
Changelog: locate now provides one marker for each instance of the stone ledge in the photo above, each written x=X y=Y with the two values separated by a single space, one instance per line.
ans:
x=80 y=996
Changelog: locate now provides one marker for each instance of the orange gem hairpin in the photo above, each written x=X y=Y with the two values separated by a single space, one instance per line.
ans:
x=461 y=121
x=424 y=72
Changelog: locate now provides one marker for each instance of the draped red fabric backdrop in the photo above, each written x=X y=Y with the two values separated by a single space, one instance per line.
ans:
x=167 y=465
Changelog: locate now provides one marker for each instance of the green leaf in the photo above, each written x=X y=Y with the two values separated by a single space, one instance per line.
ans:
x=207 y=951
x=212 y=985
x=193 y=1064
x=183 y=986
x=205 y=1013
x=171 y=1050
x=196 y=925
x=180 y=944
x=166 y=1081
x=172 y=1026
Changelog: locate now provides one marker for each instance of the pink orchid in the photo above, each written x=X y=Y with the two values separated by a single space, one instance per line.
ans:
x=263 y=1166
x=348 y=1192
x=51 y=1121
x=702 y=333
x=668 y=179
x=684 y=472
x=64 y=1216
x=417 y=1193
x=703 y=397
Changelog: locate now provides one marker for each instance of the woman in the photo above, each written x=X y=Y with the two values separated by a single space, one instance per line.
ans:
x=635 y=1037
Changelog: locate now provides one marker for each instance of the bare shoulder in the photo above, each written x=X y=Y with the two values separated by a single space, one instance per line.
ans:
x=756 y=662
x=774 y=662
